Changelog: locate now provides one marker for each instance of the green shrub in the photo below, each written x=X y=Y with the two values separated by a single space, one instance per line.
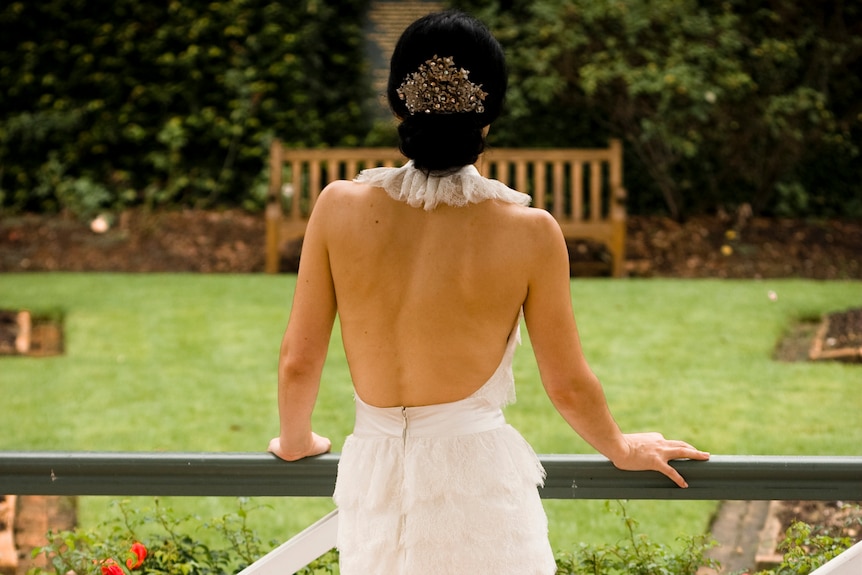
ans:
x=719 y=103
x=188 y=546
x=111 y=103
x=169 y=546
x=637 y=555
x=226 y=545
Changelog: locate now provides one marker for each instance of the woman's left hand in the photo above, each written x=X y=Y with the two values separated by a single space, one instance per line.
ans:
x=651 y=451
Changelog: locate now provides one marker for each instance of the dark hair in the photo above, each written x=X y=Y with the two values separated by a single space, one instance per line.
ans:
x=442 y=141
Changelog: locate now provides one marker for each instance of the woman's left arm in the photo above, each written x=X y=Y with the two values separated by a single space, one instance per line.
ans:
x=305 y=344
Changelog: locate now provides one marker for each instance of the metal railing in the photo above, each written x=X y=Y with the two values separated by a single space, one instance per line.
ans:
x=756 y=477
x=723 y=477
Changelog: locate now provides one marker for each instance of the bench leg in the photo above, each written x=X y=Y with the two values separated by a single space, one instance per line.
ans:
x=273 y=225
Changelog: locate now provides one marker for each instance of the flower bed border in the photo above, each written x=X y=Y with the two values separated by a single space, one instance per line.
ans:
x=36 y=335
x=821 y=350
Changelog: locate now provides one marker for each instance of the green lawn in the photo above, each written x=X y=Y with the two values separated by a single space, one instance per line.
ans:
x=187 y=363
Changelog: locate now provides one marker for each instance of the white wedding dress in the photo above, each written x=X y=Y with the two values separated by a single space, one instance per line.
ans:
x=446 y=489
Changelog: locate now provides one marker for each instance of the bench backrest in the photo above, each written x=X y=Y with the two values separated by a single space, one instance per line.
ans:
x=300 y=175
x=578 y=184
x=581 y=187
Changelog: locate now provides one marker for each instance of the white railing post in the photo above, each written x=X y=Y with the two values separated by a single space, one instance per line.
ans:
x=848 y=563
x=299 y=550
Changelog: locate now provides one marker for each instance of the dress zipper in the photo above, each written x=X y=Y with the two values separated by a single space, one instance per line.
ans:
x=404 y=428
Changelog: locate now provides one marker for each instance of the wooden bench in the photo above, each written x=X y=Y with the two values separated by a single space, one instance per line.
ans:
x=581 y=187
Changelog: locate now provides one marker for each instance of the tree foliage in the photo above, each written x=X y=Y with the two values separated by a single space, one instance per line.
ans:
x=110 y=103
x=720 y=104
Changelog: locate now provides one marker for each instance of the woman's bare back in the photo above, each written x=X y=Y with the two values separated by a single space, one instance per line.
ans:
x=426 y=299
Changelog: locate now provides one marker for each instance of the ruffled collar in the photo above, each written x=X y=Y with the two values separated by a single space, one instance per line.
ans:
x=420 y=189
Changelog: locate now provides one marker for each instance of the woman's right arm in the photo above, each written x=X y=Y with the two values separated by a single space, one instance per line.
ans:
x=305 y=342
x=566 y=376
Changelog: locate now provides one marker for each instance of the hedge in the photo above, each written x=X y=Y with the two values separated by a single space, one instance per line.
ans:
x=109 y=103
x=720 y=104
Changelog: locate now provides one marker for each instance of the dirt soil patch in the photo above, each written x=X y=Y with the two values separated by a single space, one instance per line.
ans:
x=839 y=337
x=233 y=241
x=137 y=241
x=835 y=518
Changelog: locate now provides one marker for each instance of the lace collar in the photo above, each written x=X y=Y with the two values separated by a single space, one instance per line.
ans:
x=420 y=189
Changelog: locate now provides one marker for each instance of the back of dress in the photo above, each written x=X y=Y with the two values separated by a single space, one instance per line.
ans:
x=436 y=487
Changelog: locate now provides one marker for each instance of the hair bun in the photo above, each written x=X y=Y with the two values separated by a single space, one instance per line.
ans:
x=447 y=81
x=440 y=142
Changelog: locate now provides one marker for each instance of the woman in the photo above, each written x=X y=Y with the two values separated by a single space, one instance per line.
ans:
x=430 y=268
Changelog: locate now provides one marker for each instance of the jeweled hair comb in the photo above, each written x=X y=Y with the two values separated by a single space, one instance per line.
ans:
x=438 y=87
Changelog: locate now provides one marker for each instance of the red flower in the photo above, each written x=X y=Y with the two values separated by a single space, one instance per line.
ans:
x=110 y=567
x=139 y=552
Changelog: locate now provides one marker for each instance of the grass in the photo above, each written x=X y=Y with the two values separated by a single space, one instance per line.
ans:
x=187 y=363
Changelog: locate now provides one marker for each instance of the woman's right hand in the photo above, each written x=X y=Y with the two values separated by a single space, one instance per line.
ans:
x=652 y=452
x=316 y=445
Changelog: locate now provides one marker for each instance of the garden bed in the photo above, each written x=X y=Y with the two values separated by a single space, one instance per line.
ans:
x=836 y=336
x=25 y=333
x=836 y=519
x=839 y=337
x=232 y=241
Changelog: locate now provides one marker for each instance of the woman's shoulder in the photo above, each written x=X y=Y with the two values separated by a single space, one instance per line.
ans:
x=345 y=194
x=344 y=189
x=339 y=202
x=535 y=222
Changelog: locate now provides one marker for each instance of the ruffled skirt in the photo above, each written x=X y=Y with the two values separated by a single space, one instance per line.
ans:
x=440 y=490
